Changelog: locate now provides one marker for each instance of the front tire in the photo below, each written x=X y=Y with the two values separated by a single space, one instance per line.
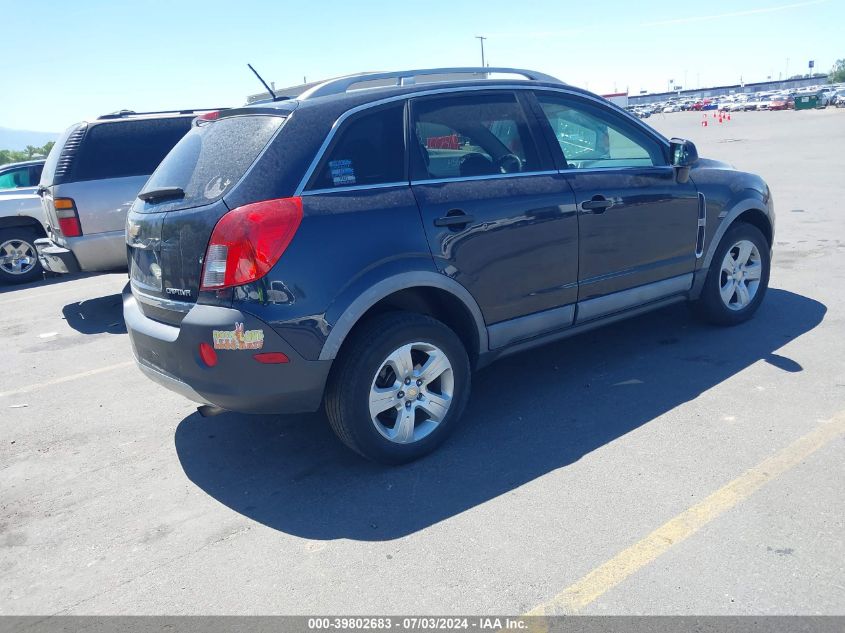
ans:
x=738 y=277
x=18 y=257
x=399 y=388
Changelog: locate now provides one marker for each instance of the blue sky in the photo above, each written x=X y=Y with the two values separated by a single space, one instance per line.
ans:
x=64 y=61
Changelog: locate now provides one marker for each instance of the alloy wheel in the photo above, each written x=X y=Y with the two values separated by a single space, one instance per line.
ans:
x=411 y=392
x=17 y=257
x=739 y=279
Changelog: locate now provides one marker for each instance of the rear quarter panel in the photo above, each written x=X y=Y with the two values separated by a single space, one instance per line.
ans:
x=346 y=243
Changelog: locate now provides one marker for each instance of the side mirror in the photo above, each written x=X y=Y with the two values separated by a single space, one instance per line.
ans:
x=684 y=156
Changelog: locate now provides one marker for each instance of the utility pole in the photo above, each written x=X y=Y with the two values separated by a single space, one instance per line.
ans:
x=481 y=39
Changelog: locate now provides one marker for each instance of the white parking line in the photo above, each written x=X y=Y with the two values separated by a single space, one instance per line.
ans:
x=63 y=379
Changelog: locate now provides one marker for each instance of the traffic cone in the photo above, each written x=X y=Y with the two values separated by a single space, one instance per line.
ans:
x=720 y=119
x=704 y=120
x=729 y=116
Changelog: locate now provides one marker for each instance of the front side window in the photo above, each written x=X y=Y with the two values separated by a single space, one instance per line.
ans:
x=16 y=178
x=589 y=138
x=465 y=136
x=368 y=150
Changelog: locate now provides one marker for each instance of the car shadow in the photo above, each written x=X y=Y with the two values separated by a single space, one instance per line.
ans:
x=96 y=316
x=529 y=414
x=49 y=279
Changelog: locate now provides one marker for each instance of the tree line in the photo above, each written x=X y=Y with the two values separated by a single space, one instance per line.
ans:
x=837 y=73
x=31 y=152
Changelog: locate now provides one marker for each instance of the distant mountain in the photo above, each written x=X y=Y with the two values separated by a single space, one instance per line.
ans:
x=19 y=139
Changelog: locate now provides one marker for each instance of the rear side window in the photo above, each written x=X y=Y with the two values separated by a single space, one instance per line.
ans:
x=127 y=148
x=368 y=150
x=51 y=173
x=212 y=158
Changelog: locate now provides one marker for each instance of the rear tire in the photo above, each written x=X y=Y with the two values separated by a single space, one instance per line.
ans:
x=398 y=388
x=18 y=257
x=738 y=277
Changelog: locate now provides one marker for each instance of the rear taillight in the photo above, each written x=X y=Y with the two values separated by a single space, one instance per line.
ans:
x=68 y=217
x=248 y=241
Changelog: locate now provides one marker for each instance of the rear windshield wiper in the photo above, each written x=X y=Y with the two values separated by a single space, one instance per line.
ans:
x=162 y=193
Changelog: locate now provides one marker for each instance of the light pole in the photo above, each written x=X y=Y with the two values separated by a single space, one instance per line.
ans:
x=481 y=39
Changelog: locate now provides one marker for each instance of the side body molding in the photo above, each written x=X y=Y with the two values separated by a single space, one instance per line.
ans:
x=386 y=287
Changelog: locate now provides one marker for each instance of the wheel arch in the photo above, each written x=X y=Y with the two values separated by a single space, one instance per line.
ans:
x=751 y=210
x=424 y=292
x=22 y=220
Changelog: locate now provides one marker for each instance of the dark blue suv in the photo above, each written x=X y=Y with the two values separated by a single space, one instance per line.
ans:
x=365 y=246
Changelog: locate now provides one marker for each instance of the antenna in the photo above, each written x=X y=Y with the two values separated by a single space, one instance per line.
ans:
x=269 y=89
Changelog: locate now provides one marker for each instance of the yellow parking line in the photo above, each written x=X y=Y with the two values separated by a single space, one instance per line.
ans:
x=606 y=576
x=58 y=381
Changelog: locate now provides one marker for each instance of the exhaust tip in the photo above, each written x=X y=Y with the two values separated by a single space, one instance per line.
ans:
x=209 y=410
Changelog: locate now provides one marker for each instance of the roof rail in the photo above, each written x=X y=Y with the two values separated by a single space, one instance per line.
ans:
x=119 y=114
x=340 y=85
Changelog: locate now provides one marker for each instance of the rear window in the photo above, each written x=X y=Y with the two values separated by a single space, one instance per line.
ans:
x=212 y=158
x=127 y=148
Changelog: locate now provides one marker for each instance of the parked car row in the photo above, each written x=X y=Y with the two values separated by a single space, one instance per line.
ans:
x=821 y=96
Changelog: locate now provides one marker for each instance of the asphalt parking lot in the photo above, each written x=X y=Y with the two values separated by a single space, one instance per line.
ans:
x=658 y=466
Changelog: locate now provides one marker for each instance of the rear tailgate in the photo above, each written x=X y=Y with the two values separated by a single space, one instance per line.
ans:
x=102 y=205
x=166 y=251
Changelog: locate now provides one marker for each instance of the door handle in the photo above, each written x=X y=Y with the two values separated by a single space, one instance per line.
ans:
x=598 y=204
x=454 y=219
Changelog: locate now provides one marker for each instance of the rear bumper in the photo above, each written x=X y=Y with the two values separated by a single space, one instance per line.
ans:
x=97 y=252
x=55 y=258
x=169 y=355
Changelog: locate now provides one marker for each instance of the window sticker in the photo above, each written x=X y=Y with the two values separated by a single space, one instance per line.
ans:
x=216 y=186
x=342 y=172
x=238 y=338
